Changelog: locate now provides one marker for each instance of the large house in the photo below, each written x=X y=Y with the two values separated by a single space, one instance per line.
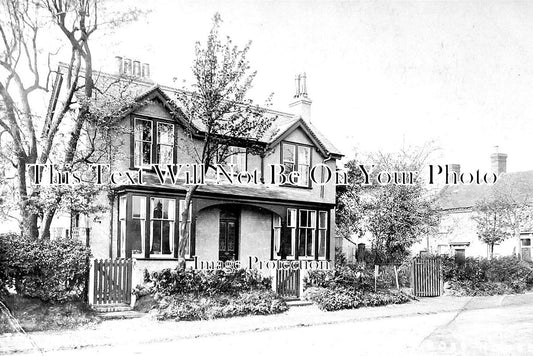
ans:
x=262 y=222
x=458 y=235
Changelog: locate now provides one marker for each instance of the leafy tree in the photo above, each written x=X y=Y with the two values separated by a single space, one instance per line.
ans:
x=504 y=214
x=217 y=104
x=398 y=215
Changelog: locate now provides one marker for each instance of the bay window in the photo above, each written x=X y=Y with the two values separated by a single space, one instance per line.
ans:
x=162 y=218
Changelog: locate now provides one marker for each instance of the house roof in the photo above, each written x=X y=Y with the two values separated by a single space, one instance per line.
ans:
x=517 y=185
x=144 y=89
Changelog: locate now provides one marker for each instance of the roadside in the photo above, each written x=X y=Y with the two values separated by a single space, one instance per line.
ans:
x=146 y=331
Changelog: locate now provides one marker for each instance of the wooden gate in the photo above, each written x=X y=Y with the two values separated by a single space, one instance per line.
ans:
x=112 y=281
x=426 y=277
x=288 y=283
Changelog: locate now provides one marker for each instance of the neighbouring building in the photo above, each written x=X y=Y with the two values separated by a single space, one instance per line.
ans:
x=457 y=235
x=227 y=221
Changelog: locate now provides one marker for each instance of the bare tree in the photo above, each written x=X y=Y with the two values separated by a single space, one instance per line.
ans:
x=32 y=135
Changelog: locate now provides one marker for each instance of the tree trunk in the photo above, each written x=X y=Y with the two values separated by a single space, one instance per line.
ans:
x=184 y=231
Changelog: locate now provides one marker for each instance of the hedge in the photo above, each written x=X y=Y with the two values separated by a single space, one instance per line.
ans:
x=50 y=270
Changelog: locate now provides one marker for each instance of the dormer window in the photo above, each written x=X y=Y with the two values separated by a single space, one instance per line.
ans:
x=154 y=143
x=297 y=158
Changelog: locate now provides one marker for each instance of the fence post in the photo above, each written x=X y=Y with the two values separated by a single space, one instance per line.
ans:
x=90 y=292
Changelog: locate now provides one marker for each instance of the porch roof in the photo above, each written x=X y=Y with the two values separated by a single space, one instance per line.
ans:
x=256 y=192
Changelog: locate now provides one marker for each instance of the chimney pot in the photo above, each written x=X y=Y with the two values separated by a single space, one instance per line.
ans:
x=498 y=162
x=301 y=105
x=127 y=66
x=136 y=68
x=119 y=64
x=146 y=70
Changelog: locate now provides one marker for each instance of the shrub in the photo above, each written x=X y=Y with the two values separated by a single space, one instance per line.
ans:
x=339 y=298
x=190 y=307
x=207 y=283
x=354 y=277
x=51 y=270
x=482 y=276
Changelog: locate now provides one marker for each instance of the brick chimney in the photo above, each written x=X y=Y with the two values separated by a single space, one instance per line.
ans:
x=132 y=68
x=498 y=161
x=301 y=106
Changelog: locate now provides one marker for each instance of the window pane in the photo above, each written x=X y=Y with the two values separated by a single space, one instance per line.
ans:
x=304 y=155
x=291 y=217
x=277 y=239
x=165 y=154
x=165 y=134
x=122 y=208
x=322 y=243
x=322 y=219
x=136 y=236
x=156 y=237
x=157 y=208
x=139 y=207
x=312 y=219
x=289 y=153
x=231 y=236
x=301 y=243
x=143 y=130
x=166 y=237
x=526 y=242
x=303 y=218
x=309 y=249
x=146 y=153
x=303 y=171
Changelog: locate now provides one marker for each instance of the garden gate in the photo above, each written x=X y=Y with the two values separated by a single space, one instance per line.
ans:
x=111 y=281
x=426 y=277
x=288 y=283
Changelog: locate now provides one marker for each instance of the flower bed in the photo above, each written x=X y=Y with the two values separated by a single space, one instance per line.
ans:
x=198 y=295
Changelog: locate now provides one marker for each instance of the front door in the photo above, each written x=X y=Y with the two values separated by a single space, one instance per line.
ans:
x=228 y=237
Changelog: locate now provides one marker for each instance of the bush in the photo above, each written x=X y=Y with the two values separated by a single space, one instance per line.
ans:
x=190 y=307
x=482 y=276
x=354 y=277
x=207 y=283
x=339 y=298
x=51 y=270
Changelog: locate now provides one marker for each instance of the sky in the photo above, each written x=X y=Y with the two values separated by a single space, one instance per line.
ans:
x=383 y=75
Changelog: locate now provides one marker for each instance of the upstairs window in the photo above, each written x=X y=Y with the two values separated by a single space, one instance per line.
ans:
x=235 y=156
x=154 y=143
x=165 y=143
x=143 y=143
x=297 y=158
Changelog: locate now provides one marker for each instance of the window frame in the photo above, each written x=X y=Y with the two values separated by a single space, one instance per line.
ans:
x=172 y=232
x=292 y=230
x=311 y=225
x=296 y=164
x=142 y=219
x=320 y=229
x=158 y=143
x=154 y=143
x=276 y=230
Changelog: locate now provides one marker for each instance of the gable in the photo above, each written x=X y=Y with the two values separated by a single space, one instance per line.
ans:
x=154 y=109
x=299 y=136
